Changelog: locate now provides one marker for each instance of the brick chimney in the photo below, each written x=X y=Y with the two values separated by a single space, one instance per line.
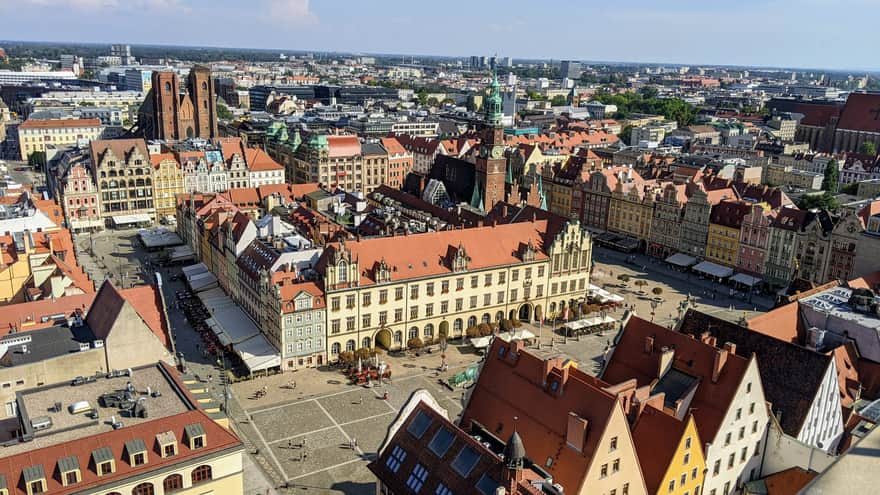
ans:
x=718 y=365
x=576 y=431
x=730 y=347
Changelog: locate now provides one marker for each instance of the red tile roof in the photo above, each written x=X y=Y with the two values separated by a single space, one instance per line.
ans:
x=517 y=385
x=59 y=123
x=258 y=161
x=343 y=146
x=421 y=255
x=243 y=197
x=858 y=113
x=393 y=146
x=788 y=482
x=217 y=439
x=146 y=301
x=692 y=357
x=29 y=315
x=291 y=192
x=289 y=291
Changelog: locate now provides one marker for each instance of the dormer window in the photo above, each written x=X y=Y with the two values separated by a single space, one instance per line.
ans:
x=460 y=259
x=68 y=467
x=195 y=436
x=104 y=462
x=137 y=452
x=528 y=252
x=167 y=443
x=34 y=479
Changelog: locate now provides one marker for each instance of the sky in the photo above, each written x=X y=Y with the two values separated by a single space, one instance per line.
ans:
x=826 y=34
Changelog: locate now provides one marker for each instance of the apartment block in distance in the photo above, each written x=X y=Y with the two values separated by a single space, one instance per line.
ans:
x=35 y=135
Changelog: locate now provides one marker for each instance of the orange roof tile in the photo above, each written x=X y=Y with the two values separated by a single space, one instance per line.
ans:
x=59 y=123
x=343 y=146
x=656 y=436
x=692 y=357
x=258 y=161
x=788 y=482
x=34 y=315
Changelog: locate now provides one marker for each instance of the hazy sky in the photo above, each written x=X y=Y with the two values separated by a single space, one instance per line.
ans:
x=791 y=33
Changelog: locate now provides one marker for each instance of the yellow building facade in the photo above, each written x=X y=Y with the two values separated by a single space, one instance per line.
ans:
x=389 y=291
x=684 y=476
x=35 y=135
x=631 y=211
x=167 y=183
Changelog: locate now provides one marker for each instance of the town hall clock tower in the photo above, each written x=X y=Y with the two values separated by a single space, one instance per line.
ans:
x=491 y=166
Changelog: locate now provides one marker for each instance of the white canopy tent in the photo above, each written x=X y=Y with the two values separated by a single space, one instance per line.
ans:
x=745 y=279
x=258 y=354
x=202 y=282
x=682 y=260
x=603 y=295
x=713 y=269
x=518 y=334
x=582 y=325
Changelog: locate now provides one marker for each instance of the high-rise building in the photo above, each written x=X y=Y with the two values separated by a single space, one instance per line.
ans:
x=168 y=113
x=570 y=69
x=123 y=52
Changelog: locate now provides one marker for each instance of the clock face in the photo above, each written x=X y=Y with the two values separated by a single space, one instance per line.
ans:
x=497 y=152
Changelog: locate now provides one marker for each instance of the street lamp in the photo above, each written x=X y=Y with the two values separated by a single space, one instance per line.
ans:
x=653 y=309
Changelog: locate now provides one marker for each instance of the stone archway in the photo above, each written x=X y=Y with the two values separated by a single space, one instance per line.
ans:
x=512 y=315
x=525 y=313
x=383 y=339
x=539 y=312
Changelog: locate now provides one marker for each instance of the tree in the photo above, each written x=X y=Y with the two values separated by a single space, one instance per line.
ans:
x=432 y=102
x=422 y=96
x=640 y=283
x=851 y=188
x=626 y=134
x=472 y=332
x=484 y=329
x=223 y=113
x=37 y=159
x=559 y=101
x=657 y=291
x=414 y=343
x=868 y=148
x=346 y=357
x=623 y=277
x=831 y=182
x=824 y=201
x=505 y=325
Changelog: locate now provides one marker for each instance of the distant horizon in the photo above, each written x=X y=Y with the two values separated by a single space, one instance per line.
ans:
x=868 y=71
x=827 y=35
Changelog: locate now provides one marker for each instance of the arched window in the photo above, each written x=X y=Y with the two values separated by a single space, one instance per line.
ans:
x=342 y=272
x=429 y=331
x=499 y=316
x=201 y=474
x=204 y=85
x=143 y=489
x=486 y=318
x=349 y=346
x=398 y=337
x=335 y=348
x=472 y=321
x=365 y=343
x=103 y=174
x=167 y=86
x=103 y=184
x=413 y=332
x=172 y=483
x=457 y=325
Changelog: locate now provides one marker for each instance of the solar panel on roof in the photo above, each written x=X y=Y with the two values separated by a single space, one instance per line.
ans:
x=419 y=424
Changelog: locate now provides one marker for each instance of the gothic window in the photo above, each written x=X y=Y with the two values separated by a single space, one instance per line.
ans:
x=342 y=273
x=167 y=86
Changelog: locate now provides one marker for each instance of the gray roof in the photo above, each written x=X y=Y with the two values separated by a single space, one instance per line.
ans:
x=47 y=343
x=135 y=446
x=69 y=463
x=103 y=454
x=373 y=149
x=33 y=473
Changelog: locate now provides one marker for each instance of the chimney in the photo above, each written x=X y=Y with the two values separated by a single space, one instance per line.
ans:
x=649 y=345
x=730 y=347
x=718 y=365
x=576 y=431
x=666 y=356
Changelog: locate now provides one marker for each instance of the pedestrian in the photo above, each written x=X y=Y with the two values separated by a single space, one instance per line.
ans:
x=290 y=444
x=355 y=441
x=361 y=402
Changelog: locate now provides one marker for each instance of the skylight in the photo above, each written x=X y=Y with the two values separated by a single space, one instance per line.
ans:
x=465 y=461
x=441 y=442
x=419 y=424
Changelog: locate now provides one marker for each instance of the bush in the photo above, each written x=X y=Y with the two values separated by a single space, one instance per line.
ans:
x=516 y=323
x=505 y=325
x=346 y=357
x=415 y=343
x=429 y=340
x=657 y=291
x=623 y=277
x=484 y=329
x=363 y=353
x=472 y=332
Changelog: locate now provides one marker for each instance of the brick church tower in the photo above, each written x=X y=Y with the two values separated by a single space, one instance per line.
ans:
x=171 y=115
x=491 y=165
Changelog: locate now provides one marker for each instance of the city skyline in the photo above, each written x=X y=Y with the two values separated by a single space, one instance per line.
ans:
x=638 y=33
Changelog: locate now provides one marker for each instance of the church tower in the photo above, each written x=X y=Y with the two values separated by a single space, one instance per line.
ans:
x=201 y=92
x=491 y=165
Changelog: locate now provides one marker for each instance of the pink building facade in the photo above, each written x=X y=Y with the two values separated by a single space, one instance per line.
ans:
x=753 y=241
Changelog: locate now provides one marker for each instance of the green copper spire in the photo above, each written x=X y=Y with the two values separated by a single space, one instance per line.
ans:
x=493 y=103
x=476 y=197
x=297 y=140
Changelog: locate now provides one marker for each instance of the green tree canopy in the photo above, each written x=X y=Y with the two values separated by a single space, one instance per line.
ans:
x=559 y=101
x=824 y=201
x=831 y=181
x=223 y=113
x=629 y=103
x=868 y=148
